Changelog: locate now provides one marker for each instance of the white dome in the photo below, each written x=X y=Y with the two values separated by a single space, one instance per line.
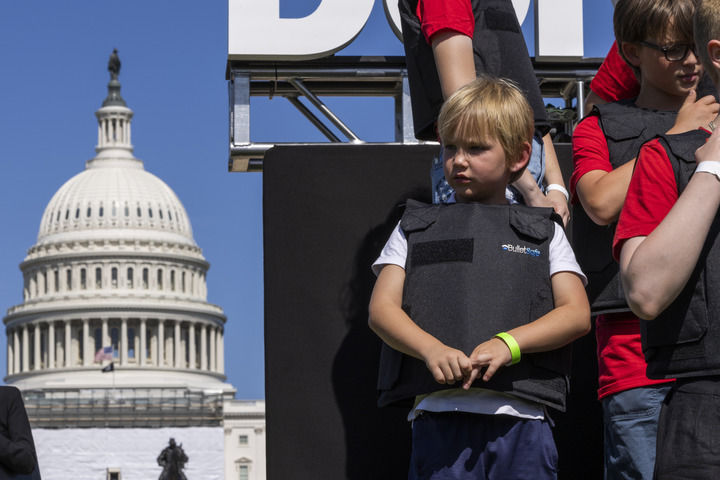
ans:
x=115 y=199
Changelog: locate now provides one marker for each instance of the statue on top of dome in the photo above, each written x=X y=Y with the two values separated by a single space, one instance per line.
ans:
x=114 y=65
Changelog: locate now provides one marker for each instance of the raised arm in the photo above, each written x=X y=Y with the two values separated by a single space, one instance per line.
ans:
x=655 y=268
x=390 y=322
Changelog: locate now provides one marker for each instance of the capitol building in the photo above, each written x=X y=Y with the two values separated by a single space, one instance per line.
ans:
x=115 y=347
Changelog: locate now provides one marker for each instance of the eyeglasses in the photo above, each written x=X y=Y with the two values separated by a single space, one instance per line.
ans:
x=673 y=53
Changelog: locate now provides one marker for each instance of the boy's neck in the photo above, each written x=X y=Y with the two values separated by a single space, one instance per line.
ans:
x=653 y=99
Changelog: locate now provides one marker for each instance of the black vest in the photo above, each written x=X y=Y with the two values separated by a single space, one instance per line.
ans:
x=684 y=340
x=626 y=127
x=473 y=271
x=499 y=50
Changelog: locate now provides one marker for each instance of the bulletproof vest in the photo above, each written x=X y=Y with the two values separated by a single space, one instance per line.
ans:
x=684 y=340
x=473 y=271
x=499 y=50
x=626 y=127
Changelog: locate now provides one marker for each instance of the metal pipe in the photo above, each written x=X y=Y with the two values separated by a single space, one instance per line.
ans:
x=297 y=83
x=313 y=119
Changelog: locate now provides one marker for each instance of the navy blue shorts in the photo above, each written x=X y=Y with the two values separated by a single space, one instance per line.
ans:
x=459 y=446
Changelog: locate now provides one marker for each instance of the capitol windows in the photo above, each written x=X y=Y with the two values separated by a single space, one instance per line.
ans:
x=98 y=339
x=114 y=208
x=114 y=340
x=150 y=211
x=160 y=213
x=243 y=440
x=88 y=212
x=77 y=213
x=172 y=280
x=68 y=279
x=130 y=277
x=139 y=211
x=45 y=282
x=182 y=282
x=83 y=279
x=114 y=277
x=160 y=279
x=146 y=277
x=101 y=210
x=98 y=277
x=67 y=214
x=127 y=210
x=56 y=278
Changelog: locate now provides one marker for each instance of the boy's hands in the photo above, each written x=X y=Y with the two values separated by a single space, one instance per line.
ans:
x=694 y=113
x=492 y=354
x=447 y=365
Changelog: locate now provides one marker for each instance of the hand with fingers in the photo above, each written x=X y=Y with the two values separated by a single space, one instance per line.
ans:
x=447 y=365
x=695 y=113
x=492 y=354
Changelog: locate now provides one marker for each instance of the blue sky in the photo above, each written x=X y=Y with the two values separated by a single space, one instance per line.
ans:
x=54 y=56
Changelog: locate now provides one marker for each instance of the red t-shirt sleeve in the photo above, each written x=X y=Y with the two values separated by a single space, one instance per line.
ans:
x=590 y=150
x=615 y=79
x=439 y=15
x=651 y=195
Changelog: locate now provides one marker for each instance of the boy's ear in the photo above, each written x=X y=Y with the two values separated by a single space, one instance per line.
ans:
x=522 y=159
x=630 y=50
x=713 y=49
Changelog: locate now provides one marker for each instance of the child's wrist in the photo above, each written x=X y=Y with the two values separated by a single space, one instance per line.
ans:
x=558 y=188
x=512 y=344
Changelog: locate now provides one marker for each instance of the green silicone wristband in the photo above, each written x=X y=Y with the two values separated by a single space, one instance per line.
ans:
x=512 y=345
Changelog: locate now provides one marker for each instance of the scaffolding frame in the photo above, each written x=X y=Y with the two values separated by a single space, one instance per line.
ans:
x=353 y=76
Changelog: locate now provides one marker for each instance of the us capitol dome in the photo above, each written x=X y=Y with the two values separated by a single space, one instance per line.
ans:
x=115 y=331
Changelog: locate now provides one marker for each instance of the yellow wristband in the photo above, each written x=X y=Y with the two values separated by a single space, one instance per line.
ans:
x=512 y=345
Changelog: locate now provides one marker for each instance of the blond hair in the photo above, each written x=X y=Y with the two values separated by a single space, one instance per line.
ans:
x=488 y=108
x=642 y=20
x=707 y=27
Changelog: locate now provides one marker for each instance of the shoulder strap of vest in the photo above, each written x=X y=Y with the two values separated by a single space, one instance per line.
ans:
x=534 y=222
x=418 y=216
x=613 y=118
x=683 y=145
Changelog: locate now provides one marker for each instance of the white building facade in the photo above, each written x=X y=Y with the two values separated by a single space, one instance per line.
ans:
x=115 y=265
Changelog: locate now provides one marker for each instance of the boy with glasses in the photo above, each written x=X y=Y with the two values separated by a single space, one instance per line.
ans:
x=655 y=39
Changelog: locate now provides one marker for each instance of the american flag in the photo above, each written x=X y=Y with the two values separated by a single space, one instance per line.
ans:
x=105 y=353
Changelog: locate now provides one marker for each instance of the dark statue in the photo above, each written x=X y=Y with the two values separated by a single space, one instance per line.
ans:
x=172 y=459
x=114 y=65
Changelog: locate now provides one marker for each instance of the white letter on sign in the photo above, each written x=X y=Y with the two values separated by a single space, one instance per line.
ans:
x=256 y=31
x=558 y=29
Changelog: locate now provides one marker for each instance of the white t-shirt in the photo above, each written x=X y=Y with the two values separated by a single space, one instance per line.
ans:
x=479 y=400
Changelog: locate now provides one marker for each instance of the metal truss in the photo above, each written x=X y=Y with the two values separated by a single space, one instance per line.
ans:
x=357 y=77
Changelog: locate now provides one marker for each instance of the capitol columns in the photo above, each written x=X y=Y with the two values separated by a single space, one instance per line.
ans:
x=36 y=346
x=203 y=347
x=86 y=342
x=176 y=344
x=67 y=349
x=160 y=343
x=220 y=352
x=25 y=349
x=123 y=342
x=143 y=341
x=213 y=349
x=191 y=340
x=51 y=344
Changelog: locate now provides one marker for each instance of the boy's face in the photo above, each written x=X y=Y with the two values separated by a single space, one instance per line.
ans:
x=662 y=77
x=478 y=172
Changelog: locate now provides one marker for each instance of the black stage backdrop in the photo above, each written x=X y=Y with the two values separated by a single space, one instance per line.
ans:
x=327 y=212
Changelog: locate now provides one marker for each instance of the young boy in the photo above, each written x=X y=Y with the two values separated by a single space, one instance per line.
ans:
x=463 y=289
x=667 y=242
x=604 y=148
